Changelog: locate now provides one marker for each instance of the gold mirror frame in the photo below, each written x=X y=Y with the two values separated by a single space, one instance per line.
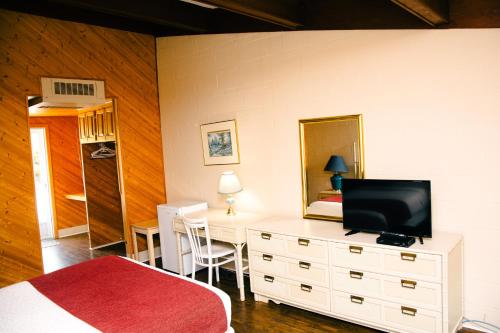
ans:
x=355 y=165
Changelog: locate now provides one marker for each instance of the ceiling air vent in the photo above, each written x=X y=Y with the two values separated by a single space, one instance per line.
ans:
x=71 y=93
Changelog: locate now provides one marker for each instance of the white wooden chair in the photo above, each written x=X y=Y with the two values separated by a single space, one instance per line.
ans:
x=205 y=252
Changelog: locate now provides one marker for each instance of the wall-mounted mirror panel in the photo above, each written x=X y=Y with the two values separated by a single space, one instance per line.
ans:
x=331 y=149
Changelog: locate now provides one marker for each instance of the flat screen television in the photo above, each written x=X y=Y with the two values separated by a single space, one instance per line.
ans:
x=395 y=206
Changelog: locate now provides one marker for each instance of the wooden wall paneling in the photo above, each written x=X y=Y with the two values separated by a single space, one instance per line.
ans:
x=66 y=168
x=33 y=46
x=104 y=209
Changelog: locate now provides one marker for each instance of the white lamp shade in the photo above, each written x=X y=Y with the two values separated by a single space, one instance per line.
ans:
x=229 y=183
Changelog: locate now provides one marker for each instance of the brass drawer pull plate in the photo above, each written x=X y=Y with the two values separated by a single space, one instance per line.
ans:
x=355 y=249
x=265 y=235
x=303 y=242
x=408 y=311
x=305 y=287
x=267 y=257
x=305 y=265
x=356 y=275
x=408 y=256
x=269 y=278
x=408 y=284
x=357 y=299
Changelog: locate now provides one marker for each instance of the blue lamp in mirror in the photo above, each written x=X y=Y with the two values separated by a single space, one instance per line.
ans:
x=336 y=165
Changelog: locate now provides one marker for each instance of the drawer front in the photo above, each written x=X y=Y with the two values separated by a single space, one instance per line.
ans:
x=307 y=249
x=269 y=263
x=269 y=285
x=412 y=319
x=356 y=256
x=266 y=242
x=309 y=295
x=308 y=272
x=355 y=306
x=413 y=292
x=358 y=282
x=421 y=266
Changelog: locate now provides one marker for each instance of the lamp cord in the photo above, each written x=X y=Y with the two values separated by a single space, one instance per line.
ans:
x=480 y=323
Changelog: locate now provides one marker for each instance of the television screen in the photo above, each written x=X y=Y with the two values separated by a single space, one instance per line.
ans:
x=397 y=206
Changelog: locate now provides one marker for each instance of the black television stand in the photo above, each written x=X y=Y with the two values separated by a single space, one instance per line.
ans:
x=421 y=240
x=352 y=232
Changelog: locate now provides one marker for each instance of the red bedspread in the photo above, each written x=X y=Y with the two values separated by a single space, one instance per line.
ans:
x=116 y=295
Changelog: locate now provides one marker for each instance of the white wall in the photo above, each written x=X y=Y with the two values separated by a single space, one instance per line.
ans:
x=431 y=106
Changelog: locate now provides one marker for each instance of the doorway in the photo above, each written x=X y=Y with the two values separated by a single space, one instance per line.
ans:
x=43 y=188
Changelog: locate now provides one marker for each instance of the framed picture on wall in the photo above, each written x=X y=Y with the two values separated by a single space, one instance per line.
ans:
x=220 y=143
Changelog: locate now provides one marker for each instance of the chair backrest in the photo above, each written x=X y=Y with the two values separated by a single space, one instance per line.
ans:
x=197 y=230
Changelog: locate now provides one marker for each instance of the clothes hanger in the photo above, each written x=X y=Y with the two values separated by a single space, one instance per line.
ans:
x=103 y=152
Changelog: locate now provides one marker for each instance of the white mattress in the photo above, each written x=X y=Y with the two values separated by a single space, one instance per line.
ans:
x=326 y=208
x=25 y=309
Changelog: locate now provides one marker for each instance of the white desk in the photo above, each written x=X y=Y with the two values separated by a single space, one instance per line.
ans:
x=229 y=229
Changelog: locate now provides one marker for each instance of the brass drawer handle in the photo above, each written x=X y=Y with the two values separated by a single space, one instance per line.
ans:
x=355 y=249
x=408 y=311
x=305 y=265
x=305 y=287
x=408 y=256
x=303 y=242
x=408 y=284
x=269 y=278
x=267 y=257
x=356 y=275
x=357 y=299
x=265 y=235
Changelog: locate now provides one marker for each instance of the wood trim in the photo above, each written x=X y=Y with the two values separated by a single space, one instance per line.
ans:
x=433 y=12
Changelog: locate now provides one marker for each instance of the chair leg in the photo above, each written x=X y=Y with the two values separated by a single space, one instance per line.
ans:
x=193 y=268
x=210 y=269
x=217 y=270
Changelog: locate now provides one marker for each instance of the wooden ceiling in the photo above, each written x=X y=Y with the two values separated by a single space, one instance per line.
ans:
x=183 y=17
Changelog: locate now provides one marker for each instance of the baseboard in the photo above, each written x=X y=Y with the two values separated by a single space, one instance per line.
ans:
x=144 y=256
x=80 y=229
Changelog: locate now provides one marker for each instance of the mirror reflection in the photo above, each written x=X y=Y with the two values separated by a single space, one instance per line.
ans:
x=331 y=149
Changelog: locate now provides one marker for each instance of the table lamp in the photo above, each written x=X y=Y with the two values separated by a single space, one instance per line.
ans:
x=336 y=165
x=229 y=184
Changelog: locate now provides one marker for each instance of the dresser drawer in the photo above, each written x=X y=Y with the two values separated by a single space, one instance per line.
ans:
x=358 y=257
x=421 y=266
x=269 y=285
x=295 y=269
x=413 y=292
x=307 y=249
x=267 y=242
x=404 y=318
x=309 y=295
x=358 y=282
x=357 y=307
x=268 y=263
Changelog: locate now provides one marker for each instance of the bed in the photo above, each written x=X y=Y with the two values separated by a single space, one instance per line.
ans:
x=113 y=294
x=328 y=206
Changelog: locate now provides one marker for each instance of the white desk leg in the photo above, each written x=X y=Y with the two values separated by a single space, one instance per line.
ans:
x=134 y=244
x=151 y=249
x=239 y=248
x=179 y=253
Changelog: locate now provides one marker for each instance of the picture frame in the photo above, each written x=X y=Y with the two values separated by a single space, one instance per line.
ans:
x=220 y=143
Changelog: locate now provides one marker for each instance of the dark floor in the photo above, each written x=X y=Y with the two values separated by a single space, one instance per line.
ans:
x=248 y=316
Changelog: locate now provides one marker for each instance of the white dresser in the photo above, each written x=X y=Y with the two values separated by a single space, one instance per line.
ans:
x=312 y=265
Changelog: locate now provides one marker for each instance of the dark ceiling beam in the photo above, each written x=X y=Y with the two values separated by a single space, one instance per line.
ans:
x=433 y=12
x=284 y=13
x=166 y=13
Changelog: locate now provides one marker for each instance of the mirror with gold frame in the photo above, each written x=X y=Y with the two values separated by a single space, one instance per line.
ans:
x=331 y=149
